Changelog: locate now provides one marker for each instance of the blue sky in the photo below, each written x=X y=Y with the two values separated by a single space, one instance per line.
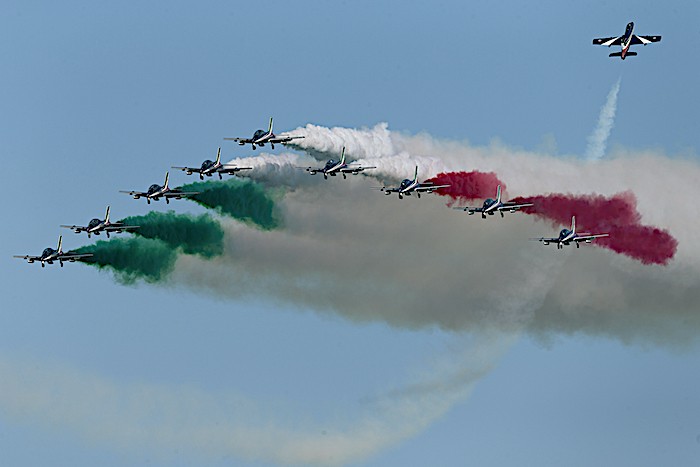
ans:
x=104 y=97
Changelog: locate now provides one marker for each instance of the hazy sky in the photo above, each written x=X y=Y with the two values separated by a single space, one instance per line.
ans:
x=106 y=96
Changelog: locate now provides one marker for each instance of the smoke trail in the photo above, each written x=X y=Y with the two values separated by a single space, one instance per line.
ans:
x=241 y=199
x=468 y=185
x=365 y=143
x=132 y=258
x=616 y=215
x=598 y=140
x=200 y=235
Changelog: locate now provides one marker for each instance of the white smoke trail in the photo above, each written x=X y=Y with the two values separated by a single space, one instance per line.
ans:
x=199 y=425
x=598 y=140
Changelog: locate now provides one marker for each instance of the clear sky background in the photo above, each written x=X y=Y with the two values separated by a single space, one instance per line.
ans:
x=105 y=96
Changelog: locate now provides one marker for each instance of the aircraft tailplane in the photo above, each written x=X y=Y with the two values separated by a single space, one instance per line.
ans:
x=619 y=54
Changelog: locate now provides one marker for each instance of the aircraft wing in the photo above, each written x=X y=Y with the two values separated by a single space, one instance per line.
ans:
x=189 y=170
x=29 y=258
x=545 y=240
x=240 y=140
x=232 y=169
x=178 y=194
x=354 y=170
x=608 y=41
x=423 y=188
x=134 y=193
x=644 y=39
x=72 y=256
x=115 y=227
x=77 y=228
x=514 y=207
x=585 y=237
x=285 y=138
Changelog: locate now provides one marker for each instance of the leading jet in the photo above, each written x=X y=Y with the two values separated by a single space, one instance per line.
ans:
x=155 y=192
x=567 y=236
x=49 y=255
x=261 y=137
x=211 y=167
x=625 y=41
x=95 y=226
x=492 y=206
x=333 y=167
x=409 y=186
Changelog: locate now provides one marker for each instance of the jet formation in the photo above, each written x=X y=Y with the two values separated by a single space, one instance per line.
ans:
x=332 y=168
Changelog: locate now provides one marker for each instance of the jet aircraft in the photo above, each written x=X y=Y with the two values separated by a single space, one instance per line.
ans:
x=211 y=167
x=409 y=186
x=337 y=167
x=492 y=206
x=155 y=192
x=625 y=41
x=95 y=226
x=567 y=236
x=261 y=137
x=49 y=255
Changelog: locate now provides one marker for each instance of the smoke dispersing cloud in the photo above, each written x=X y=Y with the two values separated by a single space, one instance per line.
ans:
x=598 y=140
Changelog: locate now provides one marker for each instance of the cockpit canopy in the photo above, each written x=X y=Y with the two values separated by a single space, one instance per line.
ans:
x=206 y=164
x=489 y=202
x=406 y=182
x=564 y=233
x=330 y=164
x=94 y=223
x=47 y=252
x=153 y=188
x=258 y=134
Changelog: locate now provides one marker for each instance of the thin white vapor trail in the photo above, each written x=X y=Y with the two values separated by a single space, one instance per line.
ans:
x=598 y=140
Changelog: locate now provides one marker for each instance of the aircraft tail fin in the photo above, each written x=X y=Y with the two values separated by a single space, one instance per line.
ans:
x=573 y=224
x=269 y=130
x=218 y=156
x=107 y=215
x=342 y=156
x=167 y=176
x=60 y=243
x=415 y=177
x=498 y=194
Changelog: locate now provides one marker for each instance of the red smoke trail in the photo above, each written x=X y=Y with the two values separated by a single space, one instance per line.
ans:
x=468 y=185
x=617 y=216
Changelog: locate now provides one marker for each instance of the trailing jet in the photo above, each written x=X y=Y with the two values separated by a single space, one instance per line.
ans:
x=155 y=192
x=211 y=167
x=49 y=255
x=261 y=137
x=409 y=186
x=625 y=41
x=337 y=167
x=567 y=236
x=95 y=226
x=492 y=206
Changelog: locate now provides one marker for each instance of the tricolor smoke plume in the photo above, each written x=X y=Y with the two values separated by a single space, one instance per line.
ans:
x=241 y=199
x=616 y=215
x=598 y=140
x=468 y=185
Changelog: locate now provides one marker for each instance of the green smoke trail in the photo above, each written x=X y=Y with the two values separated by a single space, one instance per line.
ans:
x=201 y=235
x=242 y=199
x=132 y=258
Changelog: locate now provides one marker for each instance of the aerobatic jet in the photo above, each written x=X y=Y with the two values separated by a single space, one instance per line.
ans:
x=333 y=167
x=492 y=206
x=567 y=236
x=261 y=137
x=211 y=167
x=95 y=226
x=409 y=186
x=49 y=255
x=625 y=41
x=155 y=192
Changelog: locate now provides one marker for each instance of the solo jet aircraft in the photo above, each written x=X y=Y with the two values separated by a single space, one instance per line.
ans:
x=49 y=255
x=211 y=167
x=261 y=137
x=409 y=186
x=337 y=167
x=492 y=206
x=95 y=226
x=626 y=41
x=567 y=236
x=155 y=192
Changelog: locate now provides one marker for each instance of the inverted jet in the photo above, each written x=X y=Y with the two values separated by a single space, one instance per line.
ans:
x=625 y=41
x=334 y=167
x=261 y=137
x=156 y=192
x=409 y=186
x=492 y=206
x=49 y=255
x=95 y=226
x=566 y=237
x=209 y=168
